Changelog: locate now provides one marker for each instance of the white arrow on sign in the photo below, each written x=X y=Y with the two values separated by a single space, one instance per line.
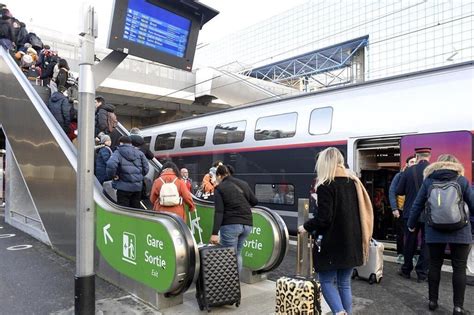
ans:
x=107 y=234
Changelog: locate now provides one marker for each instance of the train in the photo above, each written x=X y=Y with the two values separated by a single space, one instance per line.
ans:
x=376 y=125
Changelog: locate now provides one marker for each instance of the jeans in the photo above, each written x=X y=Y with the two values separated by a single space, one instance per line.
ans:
x=411 y=243
x=234 y=235
x=129 y=199
x=459 y=254
x=336 y=289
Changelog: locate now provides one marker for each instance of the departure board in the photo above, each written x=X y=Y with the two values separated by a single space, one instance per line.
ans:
x=154 y=27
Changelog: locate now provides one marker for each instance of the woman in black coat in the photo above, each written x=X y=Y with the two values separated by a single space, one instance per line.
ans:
x=339 y=224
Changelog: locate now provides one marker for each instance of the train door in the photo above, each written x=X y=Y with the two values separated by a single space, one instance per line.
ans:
x=376 y=161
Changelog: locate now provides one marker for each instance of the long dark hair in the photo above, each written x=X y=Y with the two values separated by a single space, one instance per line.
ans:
x=172 y=166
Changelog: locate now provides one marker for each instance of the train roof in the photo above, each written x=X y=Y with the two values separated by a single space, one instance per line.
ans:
x=328 y=90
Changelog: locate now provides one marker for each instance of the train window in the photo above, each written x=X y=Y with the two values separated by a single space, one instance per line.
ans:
x=147 y=141
x=229 y=132
x=282 y=194
x=275 y=127
x=320 y=121
x=193 y=137
x=165 y=141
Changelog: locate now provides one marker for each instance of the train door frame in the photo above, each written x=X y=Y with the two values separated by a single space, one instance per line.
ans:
x=374 y=155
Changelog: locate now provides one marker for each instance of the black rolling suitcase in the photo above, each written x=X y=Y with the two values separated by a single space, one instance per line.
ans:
x=298 y=295
x=218 y=283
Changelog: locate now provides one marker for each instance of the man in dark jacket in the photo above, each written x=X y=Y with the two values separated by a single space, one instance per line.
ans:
x=101 y=116
x=396 y=204
x=60 y=107
x=409 y=185
x=233 y=215
x=127 y=166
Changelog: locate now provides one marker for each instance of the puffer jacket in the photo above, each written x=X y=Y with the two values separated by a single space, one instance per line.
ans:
x=443 y=171
x=101 y=163
x=101 y=114
x=130 y=165
x=169 y=176
x=60 y=107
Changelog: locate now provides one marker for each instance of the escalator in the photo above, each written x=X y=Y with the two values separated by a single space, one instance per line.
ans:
x=41 y=183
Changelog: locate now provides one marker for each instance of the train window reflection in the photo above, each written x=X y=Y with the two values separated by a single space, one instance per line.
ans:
x=165 y=141
x=193 y=137
x=282 y=194
x=229 y=132
x=320 y=121
x=275 y=127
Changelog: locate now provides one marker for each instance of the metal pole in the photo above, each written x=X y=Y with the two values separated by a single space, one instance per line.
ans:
x=84 y=281
x=303 y=216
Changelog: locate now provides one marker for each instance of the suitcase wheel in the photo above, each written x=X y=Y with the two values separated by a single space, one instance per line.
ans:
x=372 y=279
x=354 y=274
x=237 y=304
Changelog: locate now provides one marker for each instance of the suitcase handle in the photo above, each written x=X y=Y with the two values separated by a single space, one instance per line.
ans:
x=198 y=226
x=299 y=257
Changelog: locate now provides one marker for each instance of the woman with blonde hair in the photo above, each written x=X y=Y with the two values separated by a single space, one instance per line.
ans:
x=438 y=178
x=344 y=225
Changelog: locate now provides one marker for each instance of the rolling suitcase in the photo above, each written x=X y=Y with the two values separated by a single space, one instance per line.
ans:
x=297 y=294
x=218 y=282
x=373 y=269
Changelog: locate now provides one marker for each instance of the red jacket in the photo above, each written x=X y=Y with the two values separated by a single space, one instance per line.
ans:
x=169 y=176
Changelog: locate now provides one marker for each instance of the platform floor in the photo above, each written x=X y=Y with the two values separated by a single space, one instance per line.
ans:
x=36 y=280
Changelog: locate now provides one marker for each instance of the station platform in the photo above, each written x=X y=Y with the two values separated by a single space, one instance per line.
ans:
x=36 y=280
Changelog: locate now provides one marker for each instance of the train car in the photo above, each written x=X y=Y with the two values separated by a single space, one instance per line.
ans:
x=376 y=124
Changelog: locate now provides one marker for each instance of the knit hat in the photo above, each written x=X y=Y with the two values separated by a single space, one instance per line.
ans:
x=104 y=138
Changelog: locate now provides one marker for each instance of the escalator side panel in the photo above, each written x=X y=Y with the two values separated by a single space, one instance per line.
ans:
x=33 y=135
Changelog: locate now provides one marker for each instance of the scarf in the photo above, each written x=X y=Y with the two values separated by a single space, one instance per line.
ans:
x=366 y=211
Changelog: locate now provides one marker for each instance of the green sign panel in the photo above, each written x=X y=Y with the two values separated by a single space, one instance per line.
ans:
x=139 y=248
x=258 y=248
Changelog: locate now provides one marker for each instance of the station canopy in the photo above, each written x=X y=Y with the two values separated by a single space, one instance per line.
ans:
x=309 y=64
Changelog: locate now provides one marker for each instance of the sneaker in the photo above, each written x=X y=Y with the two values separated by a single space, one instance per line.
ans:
x=400 y=259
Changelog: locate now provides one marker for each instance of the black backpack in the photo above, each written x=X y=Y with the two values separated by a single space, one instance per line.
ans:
x=445 y=207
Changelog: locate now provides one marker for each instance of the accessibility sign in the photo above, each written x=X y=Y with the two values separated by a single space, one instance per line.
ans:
x=138 y=247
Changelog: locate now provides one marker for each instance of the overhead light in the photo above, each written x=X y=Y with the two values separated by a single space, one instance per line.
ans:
x=162 y=111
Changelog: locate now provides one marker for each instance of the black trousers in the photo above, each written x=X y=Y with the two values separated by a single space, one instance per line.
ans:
x=129 y=199
x=400 y=235
x=459 y=254
x=411 y=242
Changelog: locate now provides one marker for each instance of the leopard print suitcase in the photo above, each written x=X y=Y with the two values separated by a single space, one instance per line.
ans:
x=298 y=296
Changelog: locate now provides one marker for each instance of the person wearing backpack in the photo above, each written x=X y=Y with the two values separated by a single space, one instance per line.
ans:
x=62 y=75
x=445 y=196
x=105 y=118
x=169 y=192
